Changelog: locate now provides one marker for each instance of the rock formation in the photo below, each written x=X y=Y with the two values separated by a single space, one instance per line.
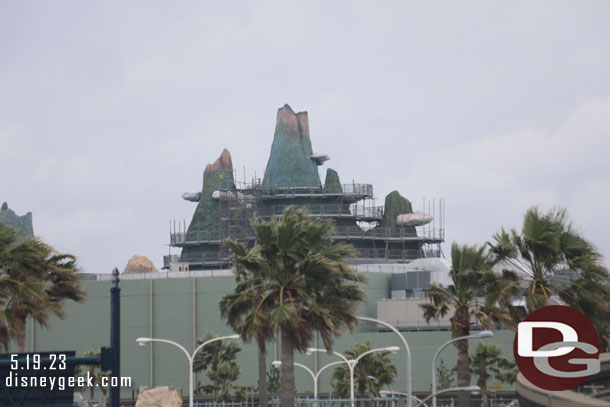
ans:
x=22 y=224
x=395 y=204
x=290 y=163
x=140 y=264
x=222 y=162
x=332 y=183
x=161 y=396
x=205 y=224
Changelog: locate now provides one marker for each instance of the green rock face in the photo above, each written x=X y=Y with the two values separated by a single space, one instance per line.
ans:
x=22 y=224
x=332 y=183
x=395 y=204
x=206 y=219
x=290 y=164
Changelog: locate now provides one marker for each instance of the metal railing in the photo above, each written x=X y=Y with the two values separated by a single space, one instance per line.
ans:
x=285 y=189
x=354 y=232
x=388 y=254
x=310 y=402
x=341 y=232
x=328 y=210
x=181 y=238
x=224 y=257
x=390 y=401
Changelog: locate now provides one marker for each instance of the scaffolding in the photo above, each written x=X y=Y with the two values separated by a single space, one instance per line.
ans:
x=351 y=206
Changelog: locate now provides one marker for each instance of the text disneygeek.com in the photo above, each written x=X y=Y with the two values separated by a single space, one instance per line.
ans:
x=15 y=380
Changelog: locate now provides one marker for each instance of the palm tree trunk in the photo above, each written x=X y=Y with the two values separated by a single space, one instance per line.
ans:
x=287 y=378
x=215 y=384
x=462 y=328
x=92 y=388
x=483 y=377
x=262 y=370
x=20 y=322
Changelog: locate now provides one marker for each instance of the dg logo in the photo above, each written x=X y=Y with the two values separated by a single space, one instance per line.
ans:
x=556 y=348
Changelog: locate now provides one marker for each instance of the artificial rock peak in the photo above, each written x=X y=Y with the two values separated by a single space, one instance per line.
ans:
x=225 y=210
x=22 y=224
x=216 y=176
x=290 y=163
x=223 y=162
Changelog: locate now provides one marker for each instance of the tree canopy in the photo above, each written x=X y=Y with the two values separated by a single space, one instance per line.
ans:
x=301 y=286
x=34 y=281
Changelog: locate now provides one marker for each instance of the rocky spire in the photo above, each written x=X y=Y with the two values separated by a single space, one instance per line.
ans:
x=395 y=204
x=223 y=162
x=290 y=162
x=217 y=176
x=22 y=224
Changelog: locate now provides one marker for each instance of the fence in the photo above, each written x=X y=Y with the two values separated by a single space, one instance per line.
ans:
x=396 y=401
x=311 y=402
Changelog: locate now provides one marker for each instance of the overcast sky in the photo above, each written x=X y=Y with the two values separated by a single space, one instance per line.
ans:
x=109 y=111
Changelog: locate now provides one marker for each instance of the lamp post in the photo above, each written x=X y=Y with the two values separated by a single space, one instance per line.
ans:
x=404 y=342
x=472 y=389
x=277 y=363
x=189 y=357
x=351 y=363
x=480 y=335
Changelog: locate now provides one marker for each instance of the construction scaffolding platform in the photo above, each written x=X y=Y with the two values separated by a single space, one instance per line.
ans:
x=237 y=207
x=226 y=207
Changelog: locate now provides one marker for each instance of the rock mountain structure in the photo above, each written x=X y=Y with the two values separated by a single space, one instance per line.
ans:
x=225 y=209
x=140 y=264
x=290 y=162
x=22 y=224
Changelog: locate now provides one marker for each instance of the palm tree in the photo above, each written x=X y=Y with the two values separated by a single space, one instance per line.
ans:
x=238 y=309
x=446 y=377
x=371 y=374
x=94 y=372
x=550 y=262
x=470 y=272
x=34 y=282
x=212 y=356
x=304 y=286
x=18 y=298
x=225 y=375
x=487 y=361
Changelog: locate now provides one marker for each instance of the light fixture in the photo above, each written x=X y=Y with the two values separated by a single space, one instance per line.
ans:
x=484 y=334
x=143 y=341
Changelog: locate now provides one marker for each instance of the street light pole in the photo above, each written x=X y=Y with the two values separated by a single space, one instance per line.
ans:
x=480 y=335
x=277 y=363
x=189 y=357
x=404 y=342
x=351 y=363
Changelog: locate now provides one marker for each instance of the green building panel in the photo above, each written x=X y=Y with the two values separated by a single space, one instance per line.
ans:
x=86 y=326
